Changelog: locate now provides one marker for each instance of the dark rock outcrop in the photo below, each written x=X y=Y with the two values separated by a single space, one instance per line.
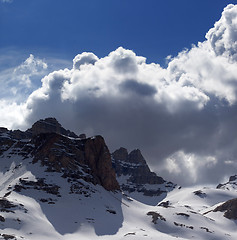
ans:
x=60 y=150
x=134 y=164
x=3 y=130
x=134 y=167
x=88 y=159
x=98 y=158
x=155 y=217
x=233 y=178
x=230 y=209
x=231 y=184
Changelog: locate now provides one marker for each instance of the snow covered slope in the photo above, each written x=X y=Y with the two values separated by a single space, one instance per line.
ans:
x=51 y=189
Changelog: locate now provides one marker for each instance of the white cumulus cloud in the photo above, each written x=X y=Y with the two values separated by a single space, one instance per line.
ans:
x=30 y=67
x=18 y=82
x=223 y=37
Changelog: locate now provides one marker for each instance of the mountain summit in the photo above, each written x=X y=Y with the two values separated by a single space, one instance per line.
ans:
x=50 y=125
x=63 y=151
x=135 y=176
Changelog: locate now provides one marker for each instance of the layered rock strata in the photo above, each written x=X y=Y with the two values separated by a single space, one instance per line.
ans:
x=135 y=174
x=60 y=150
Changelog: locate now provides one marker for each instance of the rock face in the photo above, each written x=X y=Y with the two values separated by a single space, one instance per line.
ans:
x=230 y=209
x=133 y=167
x=89 y=158
x=48 y=143
x=98 y=158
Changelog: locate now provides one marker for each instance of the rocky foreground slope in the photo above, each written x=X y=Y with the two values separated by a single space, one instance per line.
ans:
x=57 y=185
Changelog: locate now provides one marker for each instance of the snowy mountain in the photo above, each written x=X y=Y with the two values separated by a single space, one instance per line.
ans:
x=230 y=185
x=56 y=185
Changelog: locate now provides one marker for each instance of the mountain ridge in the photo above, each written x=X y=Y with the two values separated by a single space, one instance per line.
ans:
x=60 y=153
x=73 y=188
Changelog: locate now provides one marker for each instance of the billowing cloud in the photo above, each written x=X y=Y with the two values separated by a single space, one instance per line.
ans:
x=29 y=68
x=84 y=58
x=19 y=81
x=223 y=37
x=182 y=117
x=12 y=113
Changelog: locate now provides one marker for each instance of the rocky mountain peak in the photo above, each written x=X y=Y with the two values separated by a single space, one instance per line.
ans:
x=233 y=178
x=133 y=167
x=136 y=157
x=60 y=150
x=49 y=125
x=120 y=154
x=230 y=185
x=125 y=163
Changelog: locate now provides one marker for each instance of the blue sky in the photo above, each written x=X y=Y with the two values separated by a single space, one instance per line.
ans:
x=101 y=67
x=154 y=29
